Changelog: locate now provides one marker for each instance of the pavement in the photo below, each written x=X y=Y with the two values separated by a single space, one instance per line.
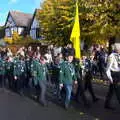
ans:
x=16 y=107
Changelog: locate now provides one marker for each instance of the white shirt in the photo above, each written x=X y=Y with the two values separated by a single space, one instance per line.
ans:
x=112 y=65
x=9 y=53
x=49 y=58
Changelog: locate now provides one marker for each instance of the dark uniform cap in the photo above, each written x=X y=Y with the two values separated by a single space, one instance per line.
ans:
x=69 y=54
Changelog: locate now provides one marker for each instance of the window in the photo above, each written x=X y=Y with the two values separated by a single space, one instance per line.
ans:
x=37 y=32
x=8 y=32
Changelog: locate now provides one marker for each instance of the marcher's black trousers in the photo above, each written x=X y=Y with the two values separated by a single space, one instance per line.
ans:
x=115 y=87
x=10 y=80
x=80 y=92
x=19 y=83
x=88 y=84
x=2 y=82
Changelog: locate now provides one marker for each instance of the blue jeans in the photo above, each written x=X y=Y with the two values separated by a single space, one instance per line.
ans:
x=68 y=89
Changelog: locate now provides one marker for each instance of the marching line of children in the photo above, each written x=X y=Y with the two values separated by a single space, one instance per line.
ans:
x=28 y=68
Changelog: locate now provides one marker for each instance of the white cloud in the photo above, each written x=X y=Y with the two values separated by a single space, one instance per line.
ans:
x=3 y=17
x=13 y=1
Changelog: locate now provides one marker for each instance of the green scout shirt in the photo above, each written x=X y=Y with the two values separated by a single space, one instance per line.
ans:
x=38 y=71
x=78 y=69
x=19 y=67
x=43 y=71
x=2 y=67
x=28 y=66
x=34 y=70
x=67 y=73
x=9 y=67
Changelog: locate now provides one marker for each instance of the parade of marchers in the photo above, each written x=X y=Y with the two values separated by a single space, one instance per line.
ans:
x=59 y=70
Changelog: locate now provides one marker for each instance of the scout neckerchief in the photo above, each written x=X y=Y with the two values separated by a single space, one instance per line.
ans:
x=71 y=68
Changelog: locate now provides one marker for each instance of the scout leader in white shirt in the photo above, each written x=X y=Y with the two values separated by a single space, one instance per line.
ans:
x=113 y=74
x=113 y=62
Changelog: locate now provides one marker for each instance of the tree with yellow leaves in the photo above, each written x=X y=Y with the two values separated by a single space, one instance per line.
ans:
x=99 y=19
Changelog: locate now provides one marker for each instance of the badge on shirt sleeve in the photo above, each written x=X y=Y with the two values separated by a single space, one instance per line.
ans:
x=109 y=59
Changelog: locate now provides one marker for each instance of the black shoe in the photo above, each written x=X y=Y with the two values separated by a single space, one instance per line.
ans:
x=66 y=107
x=96 y=99
x=21 y=93
x=59 y=98
x=44 y=104
x=87 y=105
x=109 y=107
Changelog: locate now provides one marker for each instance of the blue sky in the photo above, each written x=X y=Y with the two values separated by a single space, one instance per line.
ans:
x=27 y=6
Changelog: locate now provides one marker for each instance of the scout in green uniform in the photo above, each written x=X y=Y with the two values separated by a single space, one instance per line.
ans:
x=39 y=75
x=34 y=76
x=28 y=73
x=19 y=73
x=60 y=62
x=2 y=72
x=43 y=79
x=67 y=76
x=34 y=70
x=88 y=78
x=9 y=71
x=80 y=89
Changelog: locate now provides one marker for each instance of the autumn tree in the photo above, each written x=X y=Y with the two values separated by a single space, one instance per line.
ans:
x=56 y=19
x=99 y=20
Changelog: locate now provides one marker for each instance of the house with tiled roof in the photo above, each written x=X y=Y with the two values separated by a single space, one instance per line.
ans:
x=19 y=22
x=34 y=26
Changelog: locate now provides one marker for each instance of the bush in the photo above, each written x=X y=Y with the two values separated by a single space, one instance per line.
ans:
x=8 y=40
x=16 y=37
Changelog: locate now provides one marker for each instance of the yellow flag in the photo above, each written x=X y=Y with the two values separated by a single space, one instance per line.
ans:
x=75 y=35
